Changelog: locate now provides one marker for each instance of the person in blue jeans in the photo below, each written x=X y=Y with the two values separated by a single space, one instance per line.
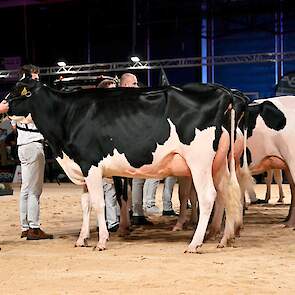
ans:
x=150 y=189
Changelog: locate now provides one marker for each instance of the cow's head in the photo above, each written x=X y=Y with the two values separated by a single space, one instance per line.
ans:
x=19 y=98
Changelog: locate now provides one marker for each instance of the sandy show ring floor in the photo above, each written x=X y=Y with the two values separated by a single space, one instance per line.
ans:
x=150 y=260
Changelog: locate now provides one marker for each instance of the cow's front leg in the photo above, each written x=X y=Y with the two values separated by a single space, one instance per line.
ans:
x=95 y=188
x=85 y=229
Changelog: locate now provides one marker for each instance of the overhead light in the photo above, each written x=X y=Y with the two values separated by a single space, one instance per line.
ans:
x=61 y=64
x=135 y=58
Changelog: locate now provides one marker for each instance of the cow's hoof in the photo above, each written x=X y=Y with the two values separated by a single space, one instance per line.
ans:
x=99 y=247
x=192 y=249
x=226 y=243
x=81 y=243
x=220 y=245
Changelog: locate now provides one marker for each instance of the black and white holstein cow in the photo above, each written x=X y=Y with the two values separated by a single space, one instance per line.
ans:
x=270 y=138
x=138 y=132
x=274 y=149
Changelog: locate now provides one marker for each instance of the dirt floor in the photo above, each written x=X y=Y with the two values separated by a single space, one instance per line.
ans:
x=150 y=260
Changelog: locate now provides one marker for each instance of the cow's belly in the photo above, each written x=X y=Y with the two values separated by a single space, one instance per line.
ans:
x=269 y=162
x=168 y=159
x=171 y=165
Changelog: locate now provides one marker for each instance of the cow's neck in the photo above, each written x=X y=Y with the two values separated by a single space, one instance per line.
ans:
x=49 y=123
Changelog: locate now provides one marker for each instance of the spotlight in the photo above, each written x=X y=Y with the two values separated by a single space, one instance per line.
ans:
x=61 y=64
x=135 y=58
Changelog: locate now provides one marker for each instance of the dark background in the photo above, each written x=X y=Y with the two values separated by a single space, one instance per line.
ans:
x=80 y=32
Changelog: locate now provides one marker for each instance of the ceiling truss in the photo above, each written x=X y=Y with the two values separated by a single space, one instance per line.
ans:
x=158 y=64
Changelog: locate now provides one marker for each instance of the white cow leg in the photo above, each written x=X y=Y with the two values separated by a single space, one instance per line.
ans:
x=85 y=229
x=207 y=194
x=279 y=180
x=95 y=188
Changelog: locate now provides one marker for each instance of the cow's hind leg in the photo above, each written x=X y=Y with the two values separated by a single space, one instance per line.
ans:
x=290 y=220
x=122 y=198
x=95 y=187
x=124 y=229
x=279 y=180
x=205 y=189
x=184 y=184
x=268 y=181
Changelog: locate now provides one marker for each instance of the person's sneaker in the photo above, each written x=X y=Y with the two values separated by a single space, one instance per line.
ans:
x=152 y=210
x=114 y=228
x=38 y=234
x=259 y=201
x=141 y=220
x=24 y=234
x=169 y=213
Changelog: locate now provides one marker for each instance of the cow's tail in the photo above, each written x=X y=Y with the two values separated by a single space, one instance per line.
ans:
x=233 y=205
x=246 y=180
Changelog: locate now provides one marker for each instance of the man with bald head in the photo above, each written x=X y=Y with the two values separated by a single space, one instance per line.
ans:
x=128 y=80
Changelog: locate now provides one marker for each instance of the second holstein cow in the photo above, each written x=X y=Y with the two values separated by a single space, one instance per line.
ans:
x=269 y=128
x=139 y=133
x=274 y=149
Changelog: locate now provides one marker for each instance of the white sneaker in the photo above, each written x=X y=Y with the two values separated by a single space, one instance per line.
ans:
x=152 y=210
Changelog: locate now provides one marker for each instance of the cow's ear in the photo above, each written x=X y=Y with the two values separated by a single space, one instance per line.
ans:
x=272 y=116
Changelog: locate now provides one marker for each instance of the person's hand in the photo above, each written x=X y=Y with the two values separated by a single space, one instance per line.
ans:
x=4 y=107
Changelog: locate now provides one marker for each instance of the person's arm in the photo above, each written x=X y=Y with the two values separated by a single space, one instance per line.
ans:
x=3 y=107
